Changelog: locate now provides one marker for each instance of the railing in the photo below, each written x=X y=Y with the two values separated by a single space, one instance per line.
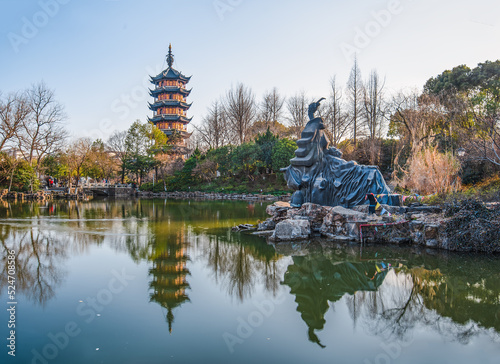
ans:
x=169 y=88
x=104 y=185
x=169 y=101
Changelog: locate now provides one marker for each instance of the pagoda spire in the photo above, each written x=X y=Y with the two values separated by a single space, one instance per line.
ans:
x=170 y=57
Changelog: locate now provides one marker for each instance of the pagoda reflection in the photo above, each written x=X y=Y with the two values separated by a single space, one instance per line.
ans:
x=169 y=273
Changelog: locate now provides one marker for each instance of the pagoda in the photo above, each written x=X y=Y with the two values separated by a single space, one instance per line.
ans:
x=169 y=106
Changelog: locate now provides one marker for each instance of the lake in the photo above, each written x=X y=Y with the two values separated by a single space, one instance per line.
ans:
x=156 y=281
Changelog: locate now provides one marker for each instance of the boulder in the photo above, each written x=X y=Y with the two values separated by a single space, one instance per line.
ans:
x=278 y=205
x=292 y=229
x=243 y=227
x=431 y=231
x=269 y=224
x=340 y=221
x=350 y=215
x=309 y=211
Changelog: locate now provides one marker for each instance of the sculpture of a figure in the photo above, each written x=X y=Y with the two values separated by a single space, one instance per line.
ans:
x=319 y=175
x=313 y=108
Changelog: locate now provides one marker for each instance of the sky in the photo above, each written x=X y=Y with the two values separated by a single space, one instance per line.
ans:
x=97 y=55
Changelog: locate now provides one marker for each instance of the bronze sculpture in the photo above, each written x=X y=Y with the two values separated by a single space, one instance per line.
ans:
x=319 y=175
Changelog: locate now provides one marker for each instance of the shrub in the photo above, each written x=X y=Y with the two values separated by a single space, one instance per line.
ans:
x=429 y=171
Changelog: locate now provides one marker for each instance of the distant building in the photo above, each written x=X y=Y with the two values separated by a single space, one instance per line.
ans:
x=170 y=106
x=13 y=152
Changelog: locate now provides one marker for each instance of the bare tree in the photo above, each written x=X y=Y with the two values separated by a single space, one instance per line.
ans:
x=414 y=118
x=373 y=113
x=336 y=120
x=240 y=110
x=101 y=163
x=214 y=131
x=373 y=105
x=13 y=112
x=41 y=132
x=355 y=95
x=117 y=146
x=484 y=137
x=271 y=107
x=297 y=109
x=78 y=154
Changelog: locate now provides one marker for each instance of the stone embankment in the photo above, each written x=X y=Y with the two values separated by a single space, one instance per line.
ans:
x=417 y=225
x=212 y=196
x=21 y=196
x=43 y=195
x=83 y=194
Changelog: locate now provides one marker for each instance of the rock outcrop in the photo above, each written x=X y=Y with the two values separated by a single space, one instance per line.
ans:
x=417 y=225
x=292 y=229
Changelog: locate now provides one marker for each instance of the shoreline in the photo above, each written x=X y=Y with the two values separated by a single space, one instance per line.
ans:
x=468 y=227
x=197 y=195
x=44 y=195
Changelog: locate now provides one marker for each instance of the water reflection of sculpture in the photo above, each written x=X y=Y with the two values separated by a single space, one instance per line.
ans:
x=456 y=303
x=316 y=280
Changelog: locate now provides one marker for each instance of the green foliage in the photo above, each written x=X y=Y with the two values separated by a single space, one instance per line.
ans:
x=245 y=159
x=55 y=166
x=266 y=143
x=282 y=152
x=185 y=178
x=221 y=156
x=456 y=80
x=140 y=164
x=142 y=143
x=18 y=174
x=159 y=186
x=25 y=178
x=243 y=169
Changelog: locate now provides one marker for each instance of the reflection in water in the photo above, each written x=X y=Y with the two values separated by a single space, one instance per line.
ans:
x=459 y=300
x=40 y=256
x=239 y=261
x=457 y=296
x=37 y=262
x=317 y=279
x=169 y=276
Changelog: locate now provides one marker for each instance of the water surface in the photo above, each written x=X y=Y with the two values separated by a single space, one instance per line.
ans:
x=168 y=282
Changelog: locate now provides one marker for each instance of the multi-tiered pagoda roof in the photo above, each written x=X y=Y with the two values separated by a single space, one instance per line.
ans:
x=169 y=106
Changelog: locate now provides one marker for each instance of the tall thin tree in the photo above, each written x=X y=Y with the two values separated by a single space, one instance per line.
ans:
x=373 y=112
x=337 y=123
x=214 y=131
x=355 y=95
x=240 y=110
x=271 y=107
x=297 y=112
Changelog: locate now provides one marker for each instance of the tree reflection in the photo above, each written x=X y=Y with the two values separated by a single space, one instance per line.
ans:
x=241 y=261
x=434 y=291
x=40 y=256
x=43 y=234
x=453 y=306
